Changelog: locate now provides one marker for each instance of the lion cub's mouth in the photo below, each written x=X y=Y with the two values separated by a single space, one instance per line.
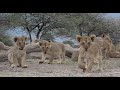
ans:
x=21 y=48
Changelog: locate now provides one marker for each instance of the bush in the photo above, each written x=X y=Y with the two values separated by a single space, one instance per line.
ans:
x=69 y=42
x=6 y=40
x=48 y=36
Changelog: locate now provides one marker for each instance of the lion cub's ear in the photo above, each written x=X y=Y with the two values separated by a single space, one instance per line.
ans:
x=78 y=37
x=93 y=37
x=15 y=39
x=103 y=35
x=49 y=41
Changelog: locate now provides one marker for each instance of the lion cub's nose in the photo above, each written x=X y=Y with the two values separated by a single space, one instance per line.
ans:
x=86 y=48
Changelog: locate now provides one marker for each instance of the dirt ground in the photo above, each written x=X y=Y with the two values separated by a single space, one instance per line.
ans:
x=68 y=69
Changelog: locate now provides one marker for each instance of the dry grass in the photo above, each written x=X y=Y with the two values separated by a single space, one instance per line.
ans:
x=68 y=69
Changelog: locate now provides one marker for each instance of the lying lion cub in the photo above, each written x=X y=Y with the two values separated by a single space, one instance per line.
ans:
x=52 y=50
x=17 y=54
x=89 y=54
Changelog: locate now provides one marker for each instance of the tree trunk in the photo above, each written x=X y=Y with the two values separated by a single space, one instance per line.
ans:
x=39 y=30
x=38 y=34
x=80 y=31
x=30 y=37
x=43 y=33
x=29 y=34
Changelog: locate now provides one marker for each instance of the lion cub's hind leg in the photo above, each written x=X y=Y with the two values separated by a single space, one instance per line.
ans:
x=51 y=60
x=61 y=59
x=89 y=66
x=13 y=61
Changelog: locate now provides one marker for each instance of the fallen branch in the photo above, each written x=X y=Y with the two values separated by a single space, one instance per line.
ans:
x=115 y=54
x=30 y=48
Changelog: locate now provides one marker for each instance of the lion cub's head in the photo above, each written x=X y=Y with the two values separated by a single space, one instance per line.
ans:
x=106 y=37
x=85 y=41
x=20 y=42
x=45 y=45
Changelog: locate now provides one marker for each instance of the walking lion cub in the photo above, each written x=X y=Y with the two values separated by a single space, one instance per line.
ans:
x=106 y=45
x=89 y=53
x=17 y=54
x=52 y=50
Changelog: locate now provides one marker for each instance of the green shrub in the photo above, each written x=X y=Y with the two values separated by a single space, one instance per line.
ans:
x=6 y=40
x=69 y=42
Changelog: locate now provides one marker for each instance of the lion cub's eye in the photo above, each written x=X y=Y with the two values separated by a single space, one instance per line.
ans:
x=83 y=43
x=43 y=47
x=89 y=43
x=47 y=47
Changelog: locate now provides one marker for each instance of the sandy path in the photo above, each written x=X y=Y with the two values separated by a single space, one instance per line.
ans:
x=68 y=69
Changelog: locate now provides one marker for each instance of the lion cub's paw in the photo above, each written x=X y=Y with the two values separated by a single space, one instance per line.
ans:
x=49 y=62
x=13 y=65
x=25 y=66
x=40 y=62
x=60 y=62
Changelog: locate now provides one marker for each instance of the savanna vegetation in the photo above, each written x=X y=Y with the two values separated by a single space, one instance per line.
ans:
x=52 y=25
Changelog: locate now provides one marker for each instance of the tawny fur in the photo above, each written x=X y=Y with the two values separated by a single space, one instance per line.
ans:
x=75 y=55
x=17 y=53
x=89 y=53
x=52 y=50
x=113 y=48
x=35 y=41
x=106 y=45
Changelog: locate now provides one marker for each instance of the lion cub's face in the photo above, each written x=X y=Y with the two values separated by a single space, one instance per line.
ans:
x=20 y=42
x=45 y=46
x=85 y=41
x=106 y=37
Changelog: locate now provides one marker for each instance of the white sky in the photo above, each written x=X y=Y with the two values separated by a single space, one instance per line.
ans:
x=116 y=15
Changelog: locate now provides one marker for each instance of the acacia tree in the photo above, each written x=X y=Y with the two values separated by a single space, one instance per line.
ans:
x=63 y=24
x=38 y=23
x=23 y=21
x=86 y=23
x=4 y=27
x=48 y=22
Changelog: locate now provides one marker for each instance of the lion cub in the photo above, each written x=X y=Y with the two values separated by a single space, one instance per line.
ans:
x=89 y=54
x=17 y=54
x=52 y=50
x=106 y=45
